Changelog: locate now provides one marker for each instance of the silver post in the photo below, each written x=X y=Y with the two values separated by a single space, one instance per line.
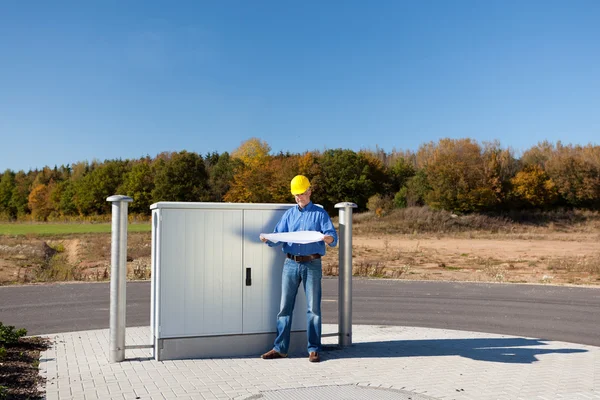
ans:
x=345 y=275
x=118 y=277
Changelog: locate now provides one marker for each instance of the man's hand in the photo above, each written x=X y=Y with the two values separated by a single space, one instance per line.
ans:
x=263 y=239
x=328 y=239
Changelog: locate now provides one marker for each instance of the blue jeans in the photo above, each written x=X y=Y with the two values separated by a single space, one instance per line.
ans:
x=309 y=273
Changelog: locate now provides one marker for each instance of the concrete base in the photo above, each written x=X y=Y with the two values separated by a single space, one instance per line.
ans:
x=223 y=346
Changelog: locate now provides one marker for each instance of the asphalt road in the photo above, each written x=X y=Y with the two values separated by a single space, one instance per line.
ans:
x=570 y=314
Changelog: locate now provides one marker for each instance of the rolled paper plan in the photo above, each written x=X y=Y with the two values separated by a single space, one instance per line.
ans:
x=300 y=237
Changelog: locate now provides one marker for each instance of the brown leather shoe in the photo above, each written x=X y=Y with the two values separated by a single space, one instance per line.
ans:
x=272 y=354
x=314 y=357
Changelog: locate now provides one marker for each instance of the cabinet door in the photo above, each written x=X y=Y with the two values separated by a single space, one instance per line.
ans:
x=200 y=278
x=262 y=297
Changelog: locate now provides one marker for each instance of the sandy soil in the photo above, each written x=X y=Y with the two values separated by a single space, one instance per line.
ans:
x=509 y=249
x=558 y=259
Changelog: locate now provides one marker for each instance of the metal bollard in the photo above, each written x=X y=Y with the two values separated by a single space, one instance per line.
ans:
x=345 y=274
x=118 y=277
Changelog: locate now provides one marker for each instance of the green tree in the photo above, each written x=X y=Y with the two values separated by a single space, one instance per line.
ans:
x=138 y=183
x=92 y=190
x=7 y=186
x=64 y=195
x=20 y=196
x=345 y=176
x=221 y=169
x=46 y=175
x=378 y=173
x=180 y=177
x=400 y=172
x=414 y=193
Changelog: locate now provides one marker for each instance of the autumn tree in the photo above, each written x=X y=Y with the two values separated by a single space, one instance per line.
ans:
x=44 y=200
x=308 y=164
x=533 y=188
x=456 y=173
x=39 y=203
x=252 y=175
x=538 y=154
x=577 y=177
x=499 y=167
x=282 y=169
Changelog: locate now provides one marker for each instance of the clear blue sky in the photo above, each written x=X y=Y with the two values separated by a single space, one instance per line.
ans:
x=106 y=79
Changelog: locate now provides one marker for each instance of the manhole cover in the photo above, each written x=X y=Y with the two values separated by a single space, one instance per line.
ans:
x=347 y=392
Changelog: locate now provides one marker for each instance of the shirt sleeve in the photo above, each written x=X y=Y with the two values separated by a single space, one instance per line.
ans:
x=329 y=229
x=282 y=226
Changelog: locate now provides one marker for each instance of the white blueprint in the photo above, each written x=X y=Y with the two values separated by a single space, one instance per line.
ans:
x=301 y=237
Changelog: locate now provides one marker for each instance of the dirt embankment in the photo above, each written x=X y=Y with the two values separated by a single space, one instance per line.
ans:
x=70 y=258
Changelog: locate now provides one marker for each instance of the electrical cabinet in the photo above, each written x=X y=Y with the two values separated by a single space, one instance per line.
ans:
x=215 y=286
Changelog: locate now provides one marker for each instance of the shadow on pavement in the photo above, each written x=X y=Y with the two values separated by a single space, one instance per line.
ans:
x=509 y=350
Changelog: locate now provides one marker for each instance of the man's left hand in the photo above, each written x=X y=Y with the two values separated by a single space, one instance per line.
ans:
x=328 y=239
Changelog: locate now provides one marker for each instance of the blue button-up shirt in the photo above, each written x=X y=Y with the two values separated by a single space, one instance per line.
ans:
x=309 y=218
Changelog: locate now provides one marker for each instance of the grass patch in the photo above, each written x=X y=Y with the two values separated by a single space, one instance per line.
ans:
x=58 y=270
x=371 y=269
x=450 y=268
x=17 y=229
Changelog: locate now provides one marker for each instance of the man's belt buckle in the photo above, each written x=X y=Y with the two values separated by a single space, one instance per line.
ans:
x=296 y=257
x=307 y=258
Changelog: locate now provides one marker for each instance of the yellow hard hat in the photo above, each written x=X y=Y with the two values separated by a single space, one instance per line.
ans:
x=300 y=184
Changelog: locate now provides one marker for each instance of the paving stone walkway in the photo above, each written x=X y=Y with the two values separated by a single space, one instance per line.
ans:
x=384 y=361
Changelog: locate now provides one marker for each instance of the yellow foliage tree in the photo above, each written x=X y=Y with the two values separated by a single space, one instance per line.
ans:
x=533 y=187
x=253 y=152
x=253 y=175
x=39 y=202
x=457 y=176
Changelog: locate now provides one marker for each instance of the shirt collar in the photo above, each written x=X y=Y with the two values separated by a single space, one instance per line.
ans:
x=307 y=207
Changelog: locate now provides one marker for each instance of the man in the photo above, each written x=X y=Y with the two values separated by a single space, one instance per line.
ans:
x=302 y=265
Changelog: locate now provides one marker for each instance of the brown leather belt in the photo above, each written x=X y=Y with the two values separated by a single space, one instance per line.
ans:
x=307 y=258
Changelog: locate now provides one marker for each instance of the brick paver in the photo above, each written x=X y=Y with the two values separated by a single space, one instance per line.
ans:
x=440 y=364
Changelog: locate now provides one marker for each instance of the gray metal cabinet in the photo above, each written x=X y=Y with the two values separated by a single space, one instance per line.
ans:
x=215 y=286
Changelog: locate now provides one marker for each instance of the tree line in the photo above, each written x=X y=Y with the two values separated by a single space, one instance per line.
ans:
x=457 y=175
